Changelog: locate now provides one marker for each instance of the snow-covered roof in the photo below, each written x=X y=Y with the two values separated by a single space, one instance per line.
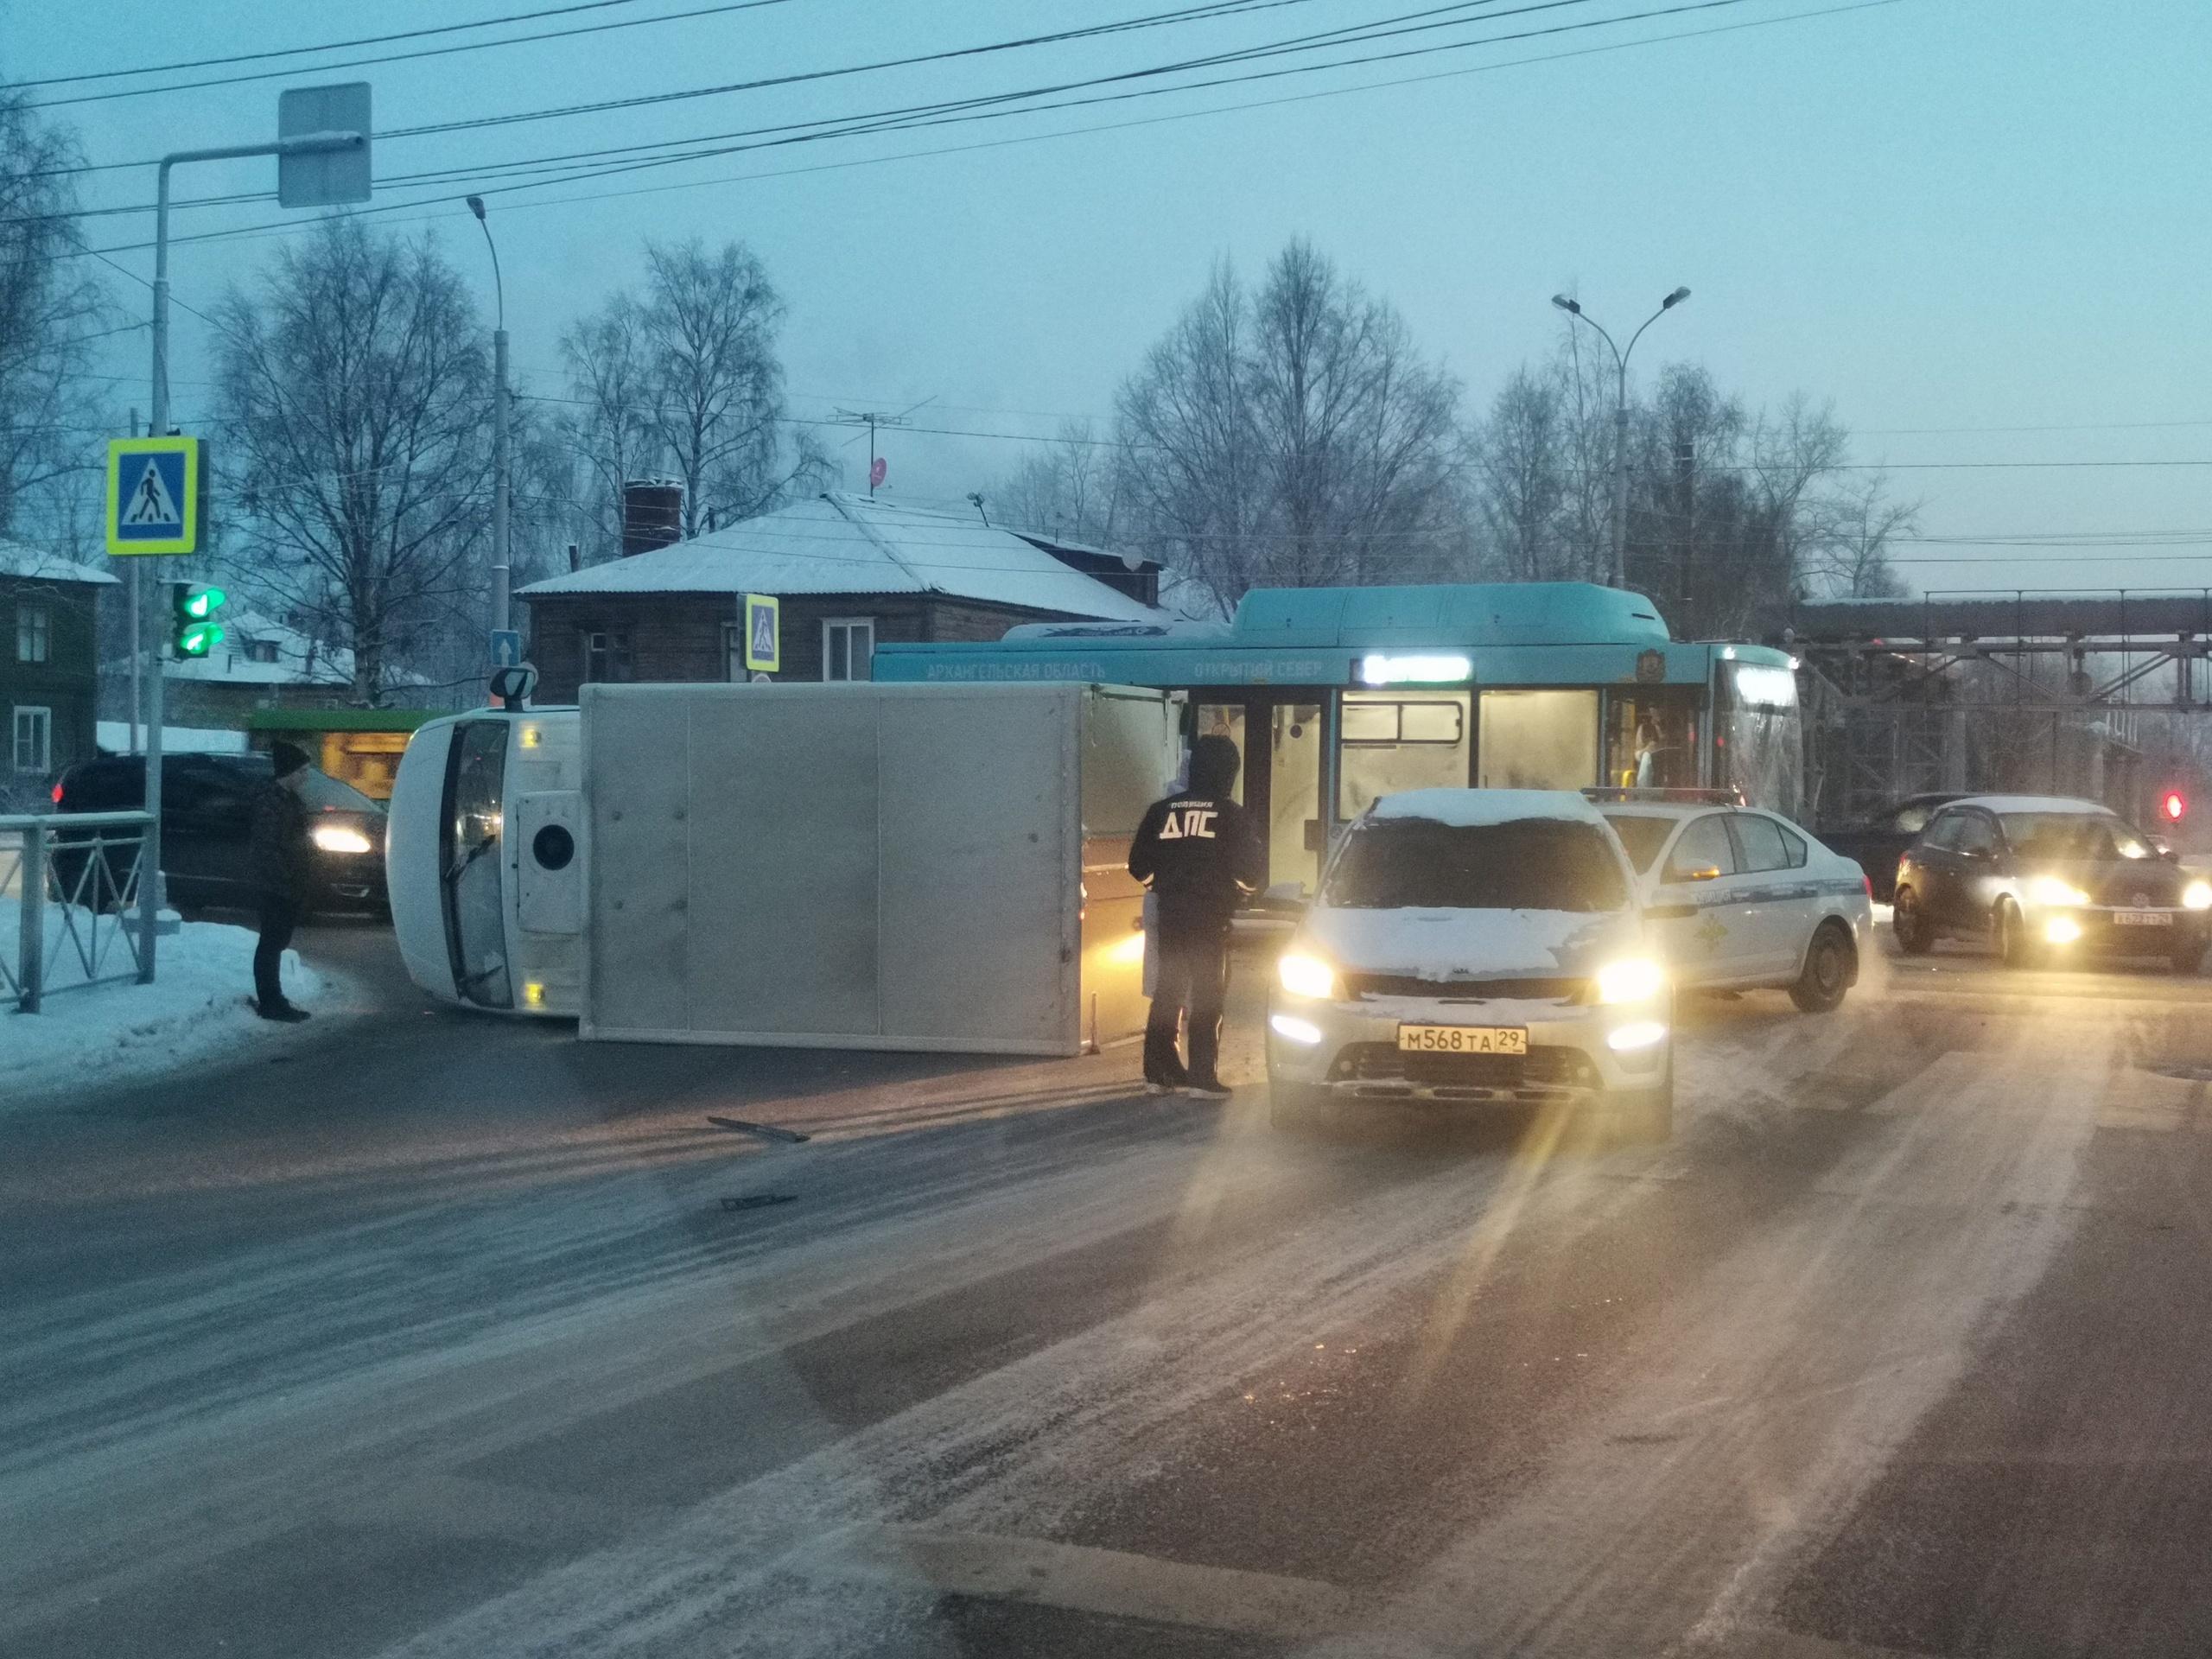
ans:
x=35 y=564
x=299 y=660
x=842 y=543
x=1470 y=808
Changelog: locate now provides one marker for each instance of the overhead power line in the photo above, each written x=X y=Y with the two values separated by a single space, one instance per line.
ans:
x=325 y=46
x=402 y=57
x=870 y=125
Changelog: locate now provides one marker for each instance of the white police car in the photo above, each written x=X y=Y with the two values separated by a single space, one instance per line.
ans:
x=1474 y=947
x=1738 y=899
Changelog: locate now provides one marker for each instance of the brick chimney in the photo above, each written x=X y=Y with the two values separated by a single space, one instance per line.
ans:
x=652 y=514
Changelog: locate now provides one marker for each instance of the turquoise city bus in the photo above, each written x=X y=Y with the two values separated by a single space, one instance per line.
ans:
x=1335 y=695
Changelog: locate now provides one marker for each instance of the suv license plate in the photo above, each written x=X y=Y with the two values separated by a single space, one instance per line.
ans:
x=2142 y=919
x=1463 y=1039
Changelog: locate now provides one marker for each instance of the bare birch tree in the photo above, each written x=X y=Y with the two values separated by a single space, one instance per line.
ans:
x=685 y=381
x=1291 y=436
x=51 y=309
x=357 y=393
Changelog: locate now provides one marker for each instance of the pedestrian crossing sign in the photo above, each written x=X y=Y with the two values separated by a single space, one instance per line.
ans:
x=156 y=496
x=763 y=640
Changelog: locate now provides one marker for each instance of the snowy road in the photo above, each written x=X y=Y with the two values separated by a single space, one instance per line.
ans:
x=451 y=1338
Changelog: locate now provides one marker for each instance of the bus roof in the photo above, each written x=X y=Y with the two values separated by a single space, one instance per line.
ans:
x=1499 y=633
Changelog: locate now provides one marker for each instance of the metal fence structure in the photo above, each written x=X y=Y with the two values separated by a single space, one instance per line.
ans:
x=83 y=870
x=2091 y=694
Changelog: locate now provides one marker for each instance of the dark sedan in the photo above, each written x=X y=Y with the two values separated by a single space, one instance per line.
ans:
x=1877 y=843
x=206 y=818
x=2048 y=879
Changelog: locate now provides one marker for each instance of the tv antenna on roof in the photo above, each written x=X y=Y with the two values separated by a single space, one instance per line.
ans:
x=871 y=419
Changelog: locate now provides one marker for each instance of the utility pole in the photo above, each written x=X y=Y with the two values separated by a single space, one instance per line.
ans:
x=503 y=477
x=136 y=635
x=1620 y=417
x=295 y=187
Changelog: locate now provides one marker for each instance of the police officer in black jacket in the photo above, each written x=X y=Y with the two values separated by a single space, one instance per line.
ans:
x=1198 y=850
x=277 y=862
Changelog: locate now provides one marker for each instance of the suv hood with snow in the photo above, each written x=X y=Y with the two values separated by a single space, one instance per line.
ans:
x=1446 y=945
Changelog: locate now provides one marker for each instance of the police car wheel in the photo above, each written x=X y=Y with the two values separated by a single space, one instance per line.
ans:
x=1819 y=989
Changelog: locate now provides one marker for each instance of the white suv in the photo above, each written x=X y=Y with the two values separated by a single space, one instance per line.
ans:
x=1475 y=946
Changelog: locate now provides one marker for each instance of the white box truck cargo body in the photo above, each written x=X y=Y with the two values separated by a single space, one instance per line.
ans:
x=864 y=866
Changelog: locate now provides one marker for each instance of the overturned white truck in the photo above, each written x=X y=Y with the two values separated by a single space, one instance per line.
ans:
x=862 y=866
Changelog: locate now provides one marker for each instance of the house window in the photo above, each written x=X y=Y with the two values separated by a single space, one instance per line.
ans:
x=606 y=656
x=847 y=647
x=261 y=651
x=32 y=749
x=34 y=633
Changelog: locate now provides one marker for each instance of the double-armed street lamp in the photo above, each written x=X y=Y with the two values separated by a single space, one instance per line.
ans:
x=1620 y=417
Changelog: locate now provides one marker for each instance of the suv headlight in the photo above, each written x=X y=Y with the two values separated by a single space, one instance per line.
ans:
x=339 y=838
x=2049 y=890
x=1634 y=979
x=2197 y=895
x=1302 y=975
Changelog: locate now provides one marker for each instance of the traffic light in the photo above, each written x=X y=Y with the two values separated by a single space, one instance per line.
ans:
x=192 y=604
x=2174 y=805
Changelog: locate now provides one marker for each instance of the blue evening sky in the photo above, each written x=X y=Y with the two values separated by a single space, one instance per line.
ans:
x=1982 y=216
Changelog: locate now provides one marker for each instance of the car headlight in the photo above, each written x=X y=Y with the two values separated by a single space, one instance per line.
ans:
x=2049 y=890
x=1635 y=979
x=2197 y=895
x=339 y=838
x=1305 y=975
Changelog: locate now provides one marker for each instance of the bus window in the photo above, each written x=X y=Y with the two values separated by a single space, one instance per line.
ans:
x=1759 y=747
x=1651 y=740
x=1397 y=740
x=1538 y=740
x=469 y=861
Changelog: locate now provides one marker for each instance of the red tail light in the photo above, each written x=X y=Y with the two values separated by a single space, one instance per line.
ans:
x=1867 y=882
x=57 y=794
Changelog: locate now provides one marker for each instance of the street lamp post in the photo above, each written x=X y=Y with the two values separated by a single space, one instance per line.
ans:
x=502 y=480
x=1620 y=417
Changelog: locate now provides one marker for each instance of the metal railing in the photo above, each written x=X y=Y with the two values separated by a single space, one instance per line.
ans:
x=88 y=867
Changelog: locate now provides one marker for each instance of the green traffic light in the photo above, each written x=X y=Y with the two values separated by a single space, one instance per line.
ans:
x=201 y=603
x=199 y=639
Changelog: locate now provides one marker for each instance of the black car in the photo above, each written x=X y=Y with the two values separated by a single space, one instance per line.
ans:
x=2048 y=879
x=1881 y=841
x=206 y=818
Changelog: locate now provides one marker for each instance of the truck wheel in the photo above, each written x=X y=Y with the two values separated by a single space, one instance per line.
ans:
x=1828 y=965
x=1297 y=1108
x=1909 y=922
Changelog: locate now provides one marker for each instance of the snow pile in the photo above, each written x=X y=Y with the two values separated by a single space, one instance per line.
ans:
x=1474 y=808
x=114 y=1032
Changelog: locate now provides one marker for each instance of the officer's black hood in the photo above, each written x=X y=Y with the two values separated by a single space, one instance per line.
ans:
x=1213 y=767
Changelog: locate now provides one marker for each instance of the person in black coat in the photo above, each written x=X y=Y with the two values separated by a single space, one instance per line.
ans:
x=1198 y=850
x=277 y=864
